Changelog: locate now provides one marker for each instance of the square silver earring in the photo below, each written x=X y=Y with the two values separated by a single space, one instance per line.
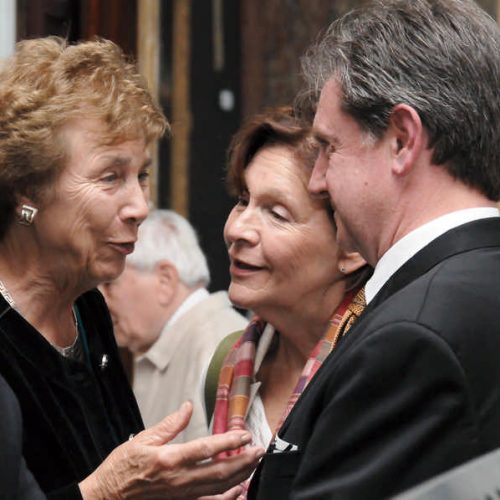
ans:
x=27 y=216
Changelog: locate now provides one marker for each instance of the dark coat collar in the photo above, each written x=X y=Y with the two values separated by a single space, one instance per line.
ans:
x=481 y=233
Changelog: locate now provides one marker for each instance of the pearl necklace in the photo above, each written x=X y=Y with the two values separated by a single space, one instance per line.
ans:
x=72 y=351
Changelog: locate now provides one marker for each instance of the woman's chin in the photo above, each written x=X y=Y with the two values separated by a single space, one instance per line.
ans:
x=240 y=297
x=109 y=274
x=245 y=299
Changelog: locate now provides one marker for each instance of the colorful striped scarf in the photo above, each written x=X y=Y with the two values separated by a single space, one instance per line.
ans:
x=237 y=373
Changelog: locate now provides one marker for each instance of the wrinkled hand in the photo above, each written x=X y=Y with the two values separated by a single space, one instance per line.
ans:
x=146 y=467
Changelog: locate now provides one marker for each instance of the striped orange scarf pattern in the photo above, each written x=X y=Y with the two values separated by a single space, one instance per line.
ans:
x=237 y=372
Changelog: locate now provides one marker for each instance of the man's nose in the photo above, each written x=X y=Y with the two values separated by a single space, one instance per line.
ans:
x=317 y=181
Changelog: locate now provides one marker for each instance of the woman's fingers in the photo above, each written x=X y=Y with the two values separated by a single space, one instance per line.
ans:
x=168 y=428
x=225 y=473
x=145 y=467
x=208 y=447
x=210 y=477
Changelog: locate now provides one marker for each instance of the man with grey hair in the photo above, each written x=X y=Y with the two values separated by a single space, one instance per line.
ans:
x=163 y=313
x=408 y=124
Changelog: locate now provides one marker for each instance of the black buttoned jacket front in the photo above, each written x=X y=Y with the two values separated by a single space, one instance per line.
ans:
x=74 y=414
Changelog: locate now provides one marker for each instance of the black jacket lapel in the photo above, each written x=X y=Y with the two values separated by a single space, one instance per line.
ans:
x=481 y=233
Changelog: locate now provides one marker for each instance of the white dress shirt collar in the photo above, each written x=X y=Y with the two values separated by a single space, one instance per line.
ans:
x=194 y=298
x=404 y=249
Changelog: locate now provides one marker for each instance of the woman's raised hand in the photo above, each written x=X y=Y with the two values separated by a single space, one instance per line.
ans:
x=147 y=467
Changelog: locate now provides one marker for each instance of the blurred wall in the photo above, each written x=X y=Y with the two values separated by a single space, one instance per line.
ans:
x=275 y=34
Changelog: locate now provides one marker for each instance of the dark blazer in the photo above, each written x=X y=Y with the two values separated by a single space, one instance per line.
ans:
x=16 y=481
x=74 y=414
x=411 y=391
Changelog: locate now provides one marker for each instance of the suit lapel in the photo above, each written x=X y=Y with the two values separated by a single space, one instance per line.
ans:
x=473 y=235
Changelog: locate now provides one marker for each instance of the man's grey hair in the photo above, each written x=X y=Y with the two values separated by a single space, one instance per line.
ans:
x=441 y=57
x=167 y=236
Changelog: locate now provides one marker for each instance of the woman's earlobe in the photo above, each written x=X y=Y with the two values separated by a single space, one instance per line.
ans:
x=349 y=262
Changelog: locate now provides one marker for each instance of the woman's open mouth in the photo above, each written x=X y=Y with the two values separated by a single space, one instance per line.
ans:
x=244 y=265
x=240 y=267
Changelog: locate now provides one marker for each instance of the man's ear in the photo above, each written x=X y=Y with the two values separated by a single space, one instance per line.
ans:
x=167 y=282
x=349 y=262
x=408 y=138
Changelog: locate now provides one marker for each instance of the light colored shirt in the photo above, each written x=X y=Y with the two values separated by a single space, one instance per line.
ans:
x=404 y=249
x=170 y=372
x=191 y=300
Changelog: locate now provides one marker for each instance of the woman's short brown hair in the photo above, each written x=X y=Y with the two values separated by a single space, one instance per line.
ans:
x=49 y=82
x=277 y=126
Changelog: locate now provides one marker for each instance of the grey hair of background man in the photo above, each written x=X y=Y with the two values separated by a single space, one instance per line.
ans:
x=167 y=236
x=441 y=57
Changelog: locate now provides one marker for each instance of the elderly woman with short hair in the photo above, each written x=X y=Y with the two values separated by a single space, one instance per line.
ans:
x=75 y=125
x=287 y=267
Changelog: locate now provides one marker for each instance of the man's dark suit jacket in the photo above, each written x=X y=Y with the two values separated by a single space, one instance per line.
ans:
x=414 y=387
x=16 y=481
